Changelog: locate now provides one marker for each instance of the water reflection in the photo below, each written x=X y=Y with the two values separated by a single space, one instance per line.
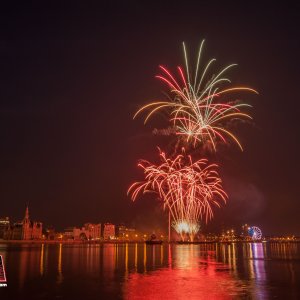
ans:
x=59 y=267
x=140 y=271
x=42 y=261
x=259 y=262
x=145 y=258
x=194 y=274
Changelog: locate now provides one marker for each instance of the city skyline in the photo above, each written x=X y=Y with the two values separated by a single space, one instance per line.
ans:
x=44 y=231
x=71 y=84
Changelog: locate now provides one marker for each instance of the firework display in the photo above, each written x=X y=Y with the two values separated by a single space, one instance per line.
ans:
x=186 y=227
x=195 y=106
x=188 y=189
x=199 y=108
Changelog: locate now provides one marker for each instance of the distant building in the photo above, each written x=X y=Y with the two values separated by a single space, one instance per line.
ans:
x=245 y=233
x=15 y=231
x=109 y=231
x=4 y=226
x=24 y=230
x=50 y=233
x=121 y=231
x=69 y=233
x=93 y=231
x=124 y=233
x=32 y=230
x=88 y=232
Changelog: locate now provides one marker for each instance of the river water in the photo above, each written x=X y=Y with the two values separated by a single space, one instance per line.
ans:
x=140 y=271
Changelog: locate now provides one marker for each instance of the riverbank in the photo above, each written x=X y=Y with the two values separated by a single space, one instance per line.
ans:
x=134 y=242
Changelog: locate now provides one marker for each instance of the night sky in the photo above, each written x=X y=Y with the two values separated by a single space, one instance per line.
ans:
x=72 y=76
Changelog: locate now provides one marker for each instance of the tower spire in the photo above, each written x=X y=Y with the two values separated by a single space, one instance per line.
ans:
x=27 y=212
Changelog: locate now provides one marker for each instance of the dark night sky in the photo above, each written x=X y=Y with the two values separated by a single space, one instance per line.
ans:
x=72 y=77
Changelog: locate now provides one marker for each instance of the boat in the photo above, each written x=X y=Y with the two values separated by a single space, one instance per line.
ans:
x=153 y=240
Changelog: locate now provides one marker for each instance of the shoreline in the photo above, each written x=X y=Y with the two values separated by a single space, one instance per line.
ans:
x=134 y=242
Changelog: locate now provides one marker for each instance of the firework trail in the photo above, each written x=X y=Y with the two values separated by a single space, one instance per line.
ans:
x=196 y=107
x=188 y=189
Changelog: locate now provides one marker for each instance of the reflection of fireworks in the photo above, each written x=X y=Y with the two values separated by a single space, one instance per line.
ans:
x=188 y=189
x=193 y=108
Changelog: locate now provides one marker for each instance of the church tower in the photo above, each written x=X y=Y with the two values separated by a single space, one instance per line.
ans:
x=27 y=228
x=26 y=213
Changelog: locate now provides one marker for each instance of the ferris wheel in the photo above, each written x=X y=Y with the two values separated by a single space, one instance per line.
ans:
x=255 y=233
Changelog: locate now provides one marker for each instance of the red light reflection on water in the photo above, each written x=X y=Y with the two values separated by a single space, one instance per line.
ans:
x=191 y=276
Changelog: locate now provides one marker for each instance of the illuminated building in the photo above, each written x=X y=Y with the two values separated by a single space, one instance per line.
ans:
x=121 y=231
x=69 y=233
x=50 y=233
x=245 y=234
x=24 y=230
x=88 y=232
x=93 y=231
x=15 y=232
x=125 y=233
x=31 y=230
x=4 y=226
x=109 y=231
